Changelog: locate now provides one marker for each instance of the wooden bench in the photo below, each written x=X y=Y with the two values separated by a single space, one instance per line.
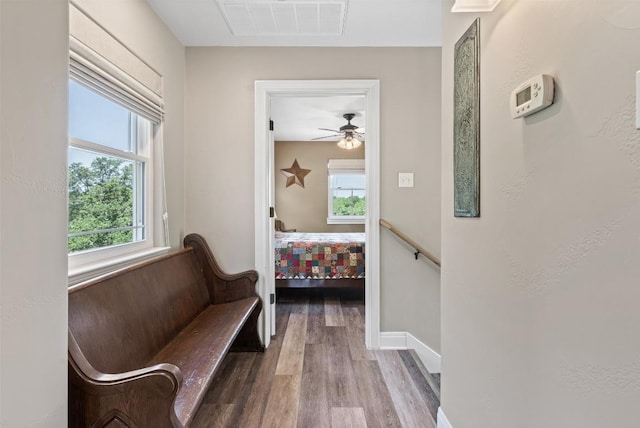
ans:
x=145 y=342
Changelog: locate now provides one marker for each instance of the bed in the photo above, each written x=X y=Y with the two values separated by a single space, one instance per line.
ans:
x=319 y=259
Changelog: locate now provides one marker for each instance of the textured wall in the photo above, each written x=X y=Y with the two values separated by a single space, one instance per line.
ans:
x=305 y=209
x=539 y=295
x=220 y=147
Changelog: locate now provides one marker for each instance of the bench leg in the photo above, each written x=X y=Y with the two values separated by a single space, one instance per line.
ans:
x=248 y=339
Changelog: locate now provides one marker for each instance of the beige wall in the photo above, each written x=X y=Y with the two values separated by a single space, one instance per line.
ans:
x=220 y=153
x=33 y=261
x=540 y=294
x=305 y=209
x=33 y=121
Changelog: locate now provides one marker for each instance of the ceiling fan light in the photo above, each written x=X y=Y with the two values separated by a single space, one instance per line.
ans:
x=349 y=143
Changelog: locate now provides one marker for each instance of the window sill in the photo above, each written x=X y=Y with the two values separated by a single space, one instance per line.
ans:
x=345 y=220
x=94 y=269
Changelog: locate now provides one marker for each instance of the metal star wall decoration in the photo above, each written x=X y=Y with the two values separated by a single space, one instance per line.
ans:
x=295 y=174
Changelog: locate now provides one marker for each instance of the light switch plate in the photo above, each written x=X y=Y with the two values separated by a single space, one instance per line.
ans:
x=637 y=99
x=405 y=179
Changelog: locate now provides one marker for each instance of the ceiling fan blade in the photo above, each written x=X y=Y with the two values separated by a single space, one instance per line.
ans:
x=345 y=131
x=327 y=136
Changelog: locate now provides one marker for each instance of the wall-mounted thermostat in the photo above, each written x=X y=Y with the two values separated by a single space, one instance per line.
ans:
x=532 y=96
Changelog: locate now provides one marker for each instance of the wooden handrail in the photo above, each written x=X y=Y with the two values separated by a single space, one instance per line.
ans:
x=405 y=238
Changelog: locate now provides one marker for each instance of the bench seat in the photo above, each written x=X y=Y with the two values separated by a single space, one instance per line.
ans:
x=199 y=350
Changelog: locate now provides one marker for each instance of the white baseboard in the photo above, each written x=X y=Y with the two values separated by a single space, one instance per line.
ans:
x=429 y=357
x=393 y=340
x=404 y=340
x=443 y=422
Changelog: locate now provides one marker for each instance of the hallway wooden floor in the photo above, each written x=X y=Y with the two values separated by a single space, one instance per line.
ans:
x=318 y=373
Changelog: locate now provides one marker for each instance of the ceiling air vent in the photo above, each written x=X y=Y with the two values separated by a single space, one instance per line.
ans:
x=284 y=18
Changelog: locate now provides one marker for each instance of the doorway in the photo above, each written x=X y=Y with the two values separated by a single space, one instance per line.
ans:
x=265 y=92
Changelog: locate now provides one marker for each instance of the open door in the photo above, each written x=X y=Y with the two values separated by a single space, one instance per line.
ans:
x=265 y=218
x=271 y=271
x=264 y=191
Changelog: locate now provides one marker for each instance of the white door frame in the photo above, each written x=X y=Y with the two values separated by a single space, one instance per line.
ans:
x=264 y=91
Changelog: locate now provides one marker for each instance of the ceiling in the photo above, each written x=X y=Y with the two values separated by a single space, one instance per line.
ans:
x=298 y=118
x=322 y=23
x=328 y=23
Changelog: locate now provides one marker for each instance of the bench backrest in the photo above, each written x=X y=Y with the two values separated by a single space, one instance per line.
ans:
x=120 y=321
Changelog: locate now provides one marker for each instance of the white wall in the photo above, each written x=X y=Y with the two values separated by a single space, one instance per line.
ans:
x=540 y=294
x=33 y=261
x=220 y=146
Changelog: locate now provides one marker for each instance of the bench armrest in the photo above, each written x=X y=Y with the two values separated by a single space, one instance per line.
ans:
x=142 y=397
x=223 y=287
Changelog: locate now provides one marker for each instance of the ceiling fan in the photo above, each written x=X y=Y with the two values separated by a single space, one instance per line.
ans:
x=352 y=135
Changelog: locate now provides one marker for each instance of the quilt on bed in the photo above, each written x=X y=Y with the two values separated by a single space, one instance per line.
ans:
x=319 y=255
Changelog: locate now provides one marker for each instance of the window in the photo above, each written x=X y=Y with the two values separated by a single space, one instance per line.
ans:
x=347 y=191
x=109 y=168
x=117 y=201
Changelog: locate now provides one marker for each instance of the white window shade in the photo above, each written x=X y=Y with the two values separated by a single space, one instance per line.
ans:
x=103 y=63
x=335 y=165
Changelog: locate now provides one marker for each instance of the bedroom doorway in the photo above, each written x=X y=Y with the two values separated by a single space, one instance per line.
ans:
x=267 y=92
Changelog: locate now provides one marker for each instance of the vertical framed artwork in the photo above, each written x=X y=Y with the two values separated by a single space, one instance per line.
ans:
x=466 y=124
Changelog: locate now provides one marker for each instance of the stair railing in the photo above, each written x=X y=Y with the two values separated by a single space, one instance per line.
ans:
x=419 y=249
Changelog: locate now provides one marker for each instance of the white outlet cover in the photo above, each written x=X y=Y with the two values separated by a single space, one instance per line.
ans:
x=405 y=179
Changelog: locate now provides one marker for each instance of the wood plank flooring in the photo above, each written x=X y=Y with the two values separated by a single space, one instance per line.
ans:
x=318 y=373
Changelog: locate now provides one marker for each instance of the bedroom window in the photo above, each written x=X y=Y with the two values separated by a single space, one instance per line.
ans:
x=347 y=191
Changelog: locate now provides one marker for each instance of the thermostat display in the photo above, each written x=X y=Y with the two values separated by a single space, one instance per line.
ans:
x=532 y=96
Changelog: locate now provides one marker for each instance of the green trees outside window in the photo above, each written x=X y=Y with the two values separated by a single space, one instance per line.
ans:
x=349 y=206
x=101 y=203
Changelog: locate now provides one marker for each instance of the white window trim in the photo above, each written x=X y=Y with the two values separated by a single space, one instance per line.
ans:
x=94 y=262
x=99 y=258
x=346 y=219
x=77 y=143
x=342 y=166
x=87 y=264
x=99 y=267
